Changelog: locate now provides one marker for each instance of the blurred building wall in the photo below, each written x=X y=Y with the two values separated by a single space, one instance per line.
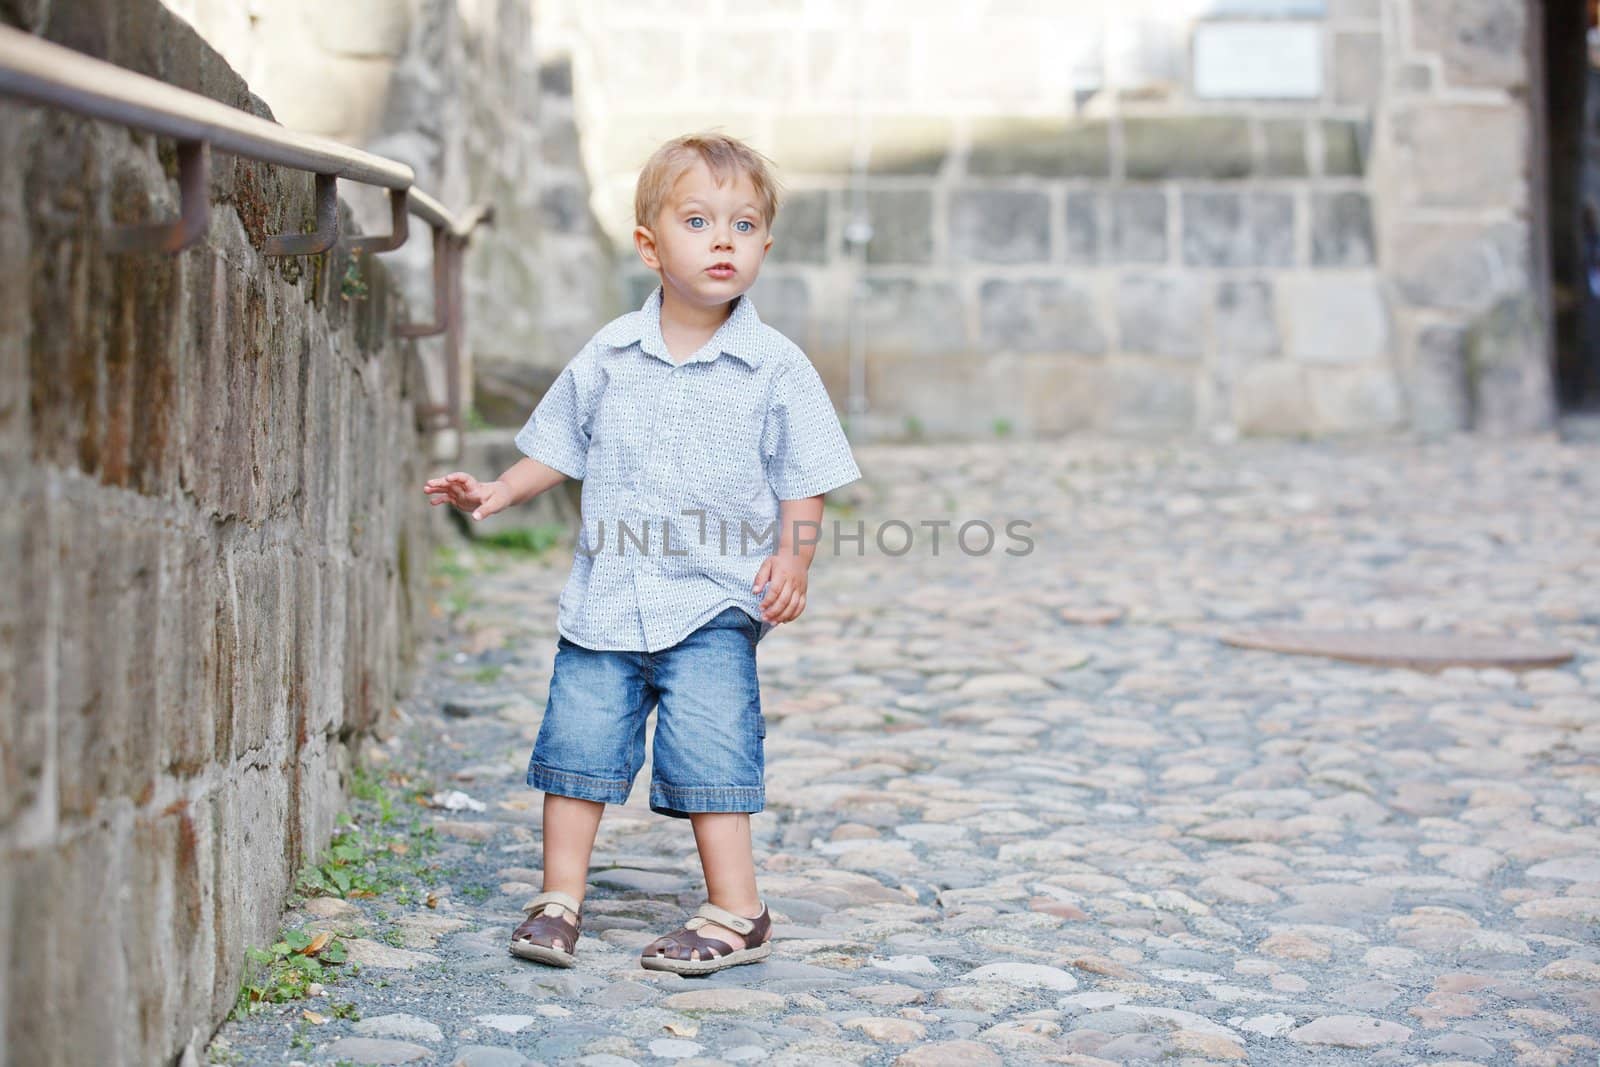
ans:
x=1284 y=216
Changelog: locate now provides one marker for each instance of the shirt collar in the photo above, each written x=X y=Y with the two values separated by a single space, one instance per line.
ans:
x=739 y=336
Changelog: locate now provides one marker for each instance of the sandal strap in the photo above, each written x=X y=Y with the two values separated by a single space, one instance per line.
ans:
x=710 y=913
x=544 y=900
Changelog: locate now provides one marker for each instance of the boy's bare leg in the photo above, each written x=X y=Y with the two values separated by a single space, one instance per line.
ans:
x=723 y=839
x=569 y=828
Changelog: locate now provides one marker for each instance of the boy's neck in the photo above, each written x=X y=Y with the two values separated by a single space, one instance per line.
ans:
x=687 y=325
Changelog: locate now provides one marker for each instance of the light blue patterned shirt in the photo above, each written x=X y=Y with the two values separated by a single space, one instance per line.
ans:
x=683 y=466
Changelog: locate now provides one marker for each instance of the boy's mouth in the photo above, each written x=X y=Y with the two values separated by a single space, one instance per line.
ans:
x=721 y=271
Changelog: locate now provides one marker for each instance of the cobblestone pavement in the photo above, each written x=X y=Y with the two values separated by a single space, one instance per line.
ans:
x=1029 y=809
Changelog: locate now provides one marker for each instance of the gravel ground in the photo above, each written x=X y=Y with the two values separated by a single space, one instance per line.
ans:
x=1029 y=808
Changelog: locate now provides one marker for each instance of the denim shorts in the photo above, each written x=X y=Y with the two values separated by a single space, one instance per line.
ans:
x=708 y=749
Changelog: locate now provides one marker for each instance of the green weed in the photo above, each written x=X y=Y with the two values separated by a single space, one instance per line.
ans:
x=287 y=970
x=524 y=540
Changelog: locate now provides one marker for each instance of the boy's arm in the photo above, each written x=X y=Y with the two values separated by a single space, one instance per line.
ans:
x=527 y=478
x=800 y=527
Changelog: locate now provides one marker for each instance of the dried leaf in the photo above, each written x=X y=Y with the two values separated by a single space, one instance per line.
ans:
x=315 y=1018
x=677 y=1029
x=433 y=900
x=399 y=848
x=318 y=943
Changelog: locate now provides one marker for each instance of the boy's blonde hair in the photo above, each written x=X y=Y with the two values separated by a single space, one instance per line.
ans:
x=724 y=156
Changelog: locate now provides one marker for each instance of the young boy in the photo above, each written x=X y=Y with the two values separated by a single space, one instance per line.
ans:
x=695 y=429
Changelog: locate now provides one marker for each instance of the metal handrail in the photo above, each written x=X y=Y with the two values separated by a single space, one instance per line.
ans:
x=48 y=73
x=45 y=73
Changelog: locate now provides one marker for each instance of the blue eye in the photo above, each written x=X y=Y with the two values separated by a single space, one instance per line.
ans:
x=696 y=222
x=745 y=226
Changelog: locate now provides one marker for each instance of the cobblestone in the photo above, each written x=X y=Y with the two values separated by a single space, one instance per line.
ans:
x=1030 y=808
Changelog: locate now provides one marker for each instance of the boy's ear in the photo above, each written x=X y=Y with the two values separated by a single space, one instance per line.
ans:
x=766 y=247
x=645 y=243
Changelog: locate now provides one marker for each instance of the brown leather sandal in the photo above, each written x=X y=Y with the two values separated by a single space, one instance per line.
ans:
x=685 y=952
x=548 y=938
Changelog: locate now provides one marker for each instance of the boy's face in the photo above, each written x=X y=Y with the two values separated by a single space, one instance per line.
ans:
x=708 y=241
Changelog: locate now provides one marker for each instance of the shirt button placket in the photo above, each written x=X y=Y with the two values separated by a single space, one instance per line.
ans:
x=647 y=575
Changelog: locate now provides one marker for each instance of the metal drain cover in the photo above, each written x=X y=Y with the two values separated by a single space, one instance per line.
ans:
x=1405 y=648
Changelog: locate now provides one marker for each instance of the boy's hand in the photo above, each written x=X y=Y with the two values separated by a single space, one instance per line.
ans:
x=482 y=499
x=785 y=575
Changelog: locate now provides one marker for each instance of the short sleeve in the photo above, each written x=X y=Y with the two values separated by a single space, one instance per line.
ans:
x=557 y=433
x=802 y=445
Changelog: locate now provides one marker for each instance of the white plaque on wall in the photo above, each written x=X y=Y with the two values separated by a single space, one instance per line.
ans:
x=1258 y=60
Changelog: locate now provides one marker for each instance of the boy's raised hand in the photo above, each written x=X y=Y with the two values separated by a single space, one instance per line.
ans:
x=482 y=499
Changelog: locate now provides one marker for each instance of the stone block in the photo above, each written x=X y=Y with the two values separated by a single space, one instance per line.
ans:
x=902 y=315
x=555 y=75
x=1084 y=226
x=1480 y=43
x=505 y=391
x=1344 y=147
x=351 y=93
x=1228 y=229
x=802 y=142
x=1139 y=225
x=1059 y=395
x=1162 y=315
x=1039 y=316
x=170 y=951
x=1246 y=321
x=1509 y=377
x=1440 y=393
x=800 y=232
x=1000 y=64
x=1412 y=79
x=1040 y=148
x=1360 y=400
x=747 y=66
x=959 y=395
x=1354 y=10
x=1341 y=230
x=30 y=629
x=564 y=208
x=558 y=141
x=1283 y=148
x=26 y=15
x=1463 y=155
x=814 y=144
x=1191 y=147
x=784 y=303
x=1458 y=266
x=902 y=226
x=106 y=741
x=1335 y=319
x=908 y=144
x=357 y=27
x=1271 y=399
x=1148 y=397
x=999 y=226
x=1357 y=68
x=845 y=65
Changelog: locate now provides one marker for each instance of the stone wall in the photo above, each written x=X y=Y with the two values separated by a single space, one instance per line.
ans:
x=215 y=550
x=1080 y=221
x=454 y=89
x=1463 y=259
